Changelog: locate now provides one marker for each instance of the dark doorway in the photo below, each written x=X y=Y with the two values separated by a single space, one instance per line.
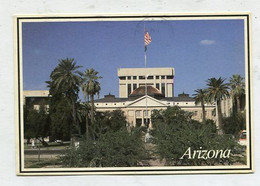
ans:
x=138 y=122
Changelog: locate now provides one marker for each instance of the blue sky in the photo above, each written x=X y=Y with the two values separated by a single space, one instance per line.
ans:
x=196 y=49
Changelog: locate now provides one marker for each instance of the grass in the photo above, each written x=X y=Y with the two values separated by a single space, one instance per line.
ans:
x=34 y=163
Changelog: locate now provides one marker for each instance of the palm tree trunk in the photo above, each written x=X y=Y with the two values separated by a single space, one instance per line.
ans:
x=238 y=104
x=87 y=130
x=203 y=112
x=92 y=108
x=220 y=127
x=75 y=116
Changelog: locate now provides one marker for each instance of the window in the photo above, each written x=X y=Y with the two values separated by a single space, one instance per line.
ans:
x=163 y=88
x=122 y=77
x=186 y=103
x=134 y=77
x=36 y=107
x=128 y=89
x=134 y=86
x=114 y=103
x=150 y=77
x=138 y=113
x=141 y=77
x=162 y=77
x=169 y=77
x=157 y=77
x=158 y=86
x=128 y=77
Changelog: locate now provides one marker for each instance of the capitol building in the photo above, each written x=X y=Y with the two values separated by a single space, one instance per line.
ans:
x=142 y=90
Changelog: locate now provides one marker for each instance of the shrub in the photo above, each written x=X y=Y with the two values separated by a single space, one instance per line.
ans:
x=112 y=149
x=234 y=124
x=175 y=132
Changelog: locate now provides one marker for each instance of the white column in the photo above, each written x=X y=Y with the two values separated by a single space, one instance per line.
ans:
x=134 y=123
x=142 y=118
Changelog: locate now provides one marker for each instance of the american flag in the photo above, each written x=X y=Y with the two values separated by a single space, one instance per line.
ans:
x=147 y=39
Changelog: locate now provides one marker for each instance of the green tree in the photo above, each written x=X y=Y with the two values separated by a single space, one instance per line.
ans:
x=65 y=81
x=200 y=97
x=90 y=87
x=61 y=119
x=37 y=124
x=83 y=115
x=60 y=111
x=170 y=116
x=237 y=89
x=112 y=149
x=27 y=131
x=234 y=123
x=117 y=120
x=216 y=91
x=107 y=122
x=172 y=137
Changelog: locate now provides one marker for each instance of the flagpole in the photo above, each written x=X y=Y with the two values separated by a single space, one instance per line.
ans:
x=145 y=64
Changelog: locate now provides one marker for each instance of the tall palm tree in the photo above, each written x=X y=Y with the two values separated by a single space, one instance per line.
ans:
x=90 y=87
x=200 y=97
x=237 y=88
x=216 y=91
x=66 y=79
x=83 y=113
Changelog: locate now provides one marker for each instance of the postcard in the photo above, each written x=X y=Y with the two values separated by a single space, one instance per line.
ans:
x=133 y=94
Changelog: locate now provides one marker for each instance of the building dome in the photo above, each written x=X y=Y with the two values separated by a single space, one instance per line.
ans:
x=151 y=91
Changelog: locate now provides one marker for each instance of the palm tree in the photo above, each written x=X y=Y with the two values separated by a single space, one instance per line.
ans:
x=200 y=97
x=83 y=113
x=90 y=87
x=216 y=91
x=237 y=88
x=66 y=79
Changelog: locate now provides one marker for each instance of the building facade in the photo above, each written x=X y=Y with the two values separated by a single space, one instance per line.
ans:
x=142 y=90
x=132 y=78
x=135 y=109
x=35 y=98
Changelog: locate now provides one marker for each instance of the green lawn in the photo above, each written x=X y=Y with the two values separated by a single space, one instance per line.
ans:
x=43 y=163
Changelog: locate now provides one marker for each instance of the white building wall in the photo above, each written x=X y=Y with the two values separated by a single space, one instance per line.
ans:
x=136 y=110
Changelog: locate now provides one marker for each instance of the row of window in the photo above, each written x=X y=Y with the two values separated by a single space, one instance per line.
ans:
x=107 y=104
x=143 y=77
x=213 y=113
x=138 y=113
x=167 y=103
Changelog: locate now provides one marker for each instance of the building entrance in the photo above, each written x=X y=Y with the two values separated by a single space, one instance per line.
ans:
x=138 y=122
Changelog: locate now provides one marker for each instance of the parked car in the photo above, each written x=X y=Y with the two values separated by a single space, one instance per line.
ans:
x=59 y=141
x=243 y=138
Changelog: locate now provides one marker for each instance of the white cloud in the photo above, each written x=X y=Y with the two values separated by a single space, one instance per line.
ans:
x=207 y=42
